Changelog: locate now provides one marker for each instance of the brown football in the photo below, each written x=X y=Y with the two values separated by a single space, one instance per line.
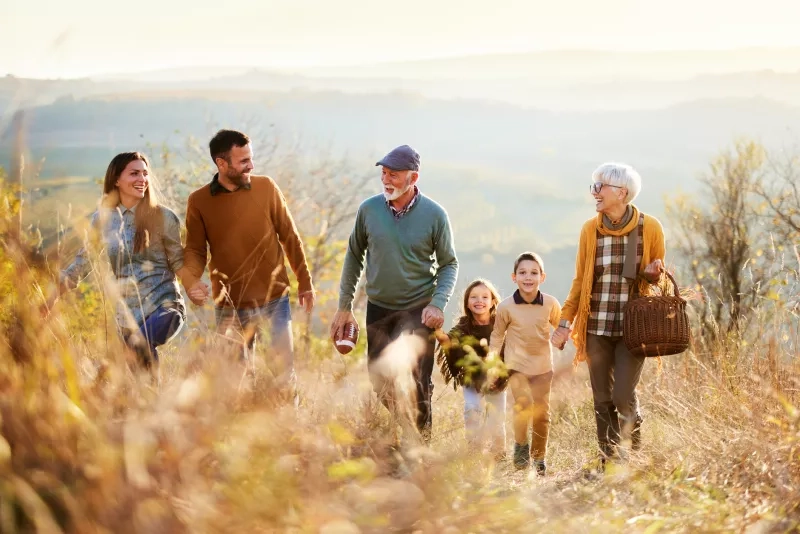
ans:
x=347 y=342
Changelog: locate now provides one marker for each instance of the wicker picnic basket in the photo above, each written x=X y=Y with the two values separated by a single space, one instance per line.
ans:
x=656 y=325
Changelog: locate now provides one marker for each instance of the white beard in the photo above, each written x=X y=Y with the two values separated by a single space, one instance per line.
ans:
x=397 y=193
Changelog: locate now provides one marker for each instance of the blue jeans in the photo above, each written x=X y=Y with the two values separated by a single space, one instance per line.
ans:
x=485 y=417
x=246 y=322
x=158 y=328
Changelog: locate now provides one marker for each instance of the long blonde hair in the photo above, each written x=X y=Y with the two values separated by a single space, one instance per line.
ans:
x=149 y=219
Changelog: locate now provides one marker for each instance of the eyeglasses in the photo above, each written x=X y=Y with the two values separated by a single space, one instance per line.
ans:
x=596 y=187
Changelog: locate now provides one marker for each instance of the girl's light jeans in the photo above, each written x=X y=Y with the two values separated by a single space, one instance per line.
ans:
x=485 y=418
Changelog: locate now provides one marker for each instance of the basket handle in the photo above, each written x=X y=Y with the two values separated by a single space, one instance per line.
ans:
x=676 y=289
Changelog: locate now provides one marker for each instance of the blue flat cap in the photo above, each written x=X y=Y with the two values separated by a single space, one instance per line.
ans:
x=402 y=158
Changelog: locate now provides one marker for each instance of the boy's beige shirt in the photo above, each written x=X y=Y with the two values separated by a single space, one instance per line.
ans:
x=526 y=330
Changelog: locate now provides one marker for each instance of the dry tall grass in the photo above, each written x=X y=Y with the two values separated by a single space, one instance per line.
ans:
x=87 y=444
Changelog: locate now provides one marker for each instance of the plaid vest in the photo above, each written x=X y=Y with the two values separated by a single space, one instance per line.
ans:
x=610 y=289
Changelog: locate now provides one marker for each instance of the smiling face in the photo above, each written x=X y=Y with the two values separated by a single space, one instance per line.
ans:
x=609 y=199
x=528 y=277
x=237 y=165
x=133 y=181
x=397 y=183
x=479 y=302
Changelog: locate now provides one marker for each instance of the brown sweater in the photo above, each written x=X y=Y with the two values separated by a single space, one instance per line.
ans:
x=247 y=232
x=525 y=328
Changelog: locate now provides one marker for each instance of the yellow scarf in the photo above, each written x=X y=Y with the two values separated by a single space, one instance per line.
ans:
x=577 y=305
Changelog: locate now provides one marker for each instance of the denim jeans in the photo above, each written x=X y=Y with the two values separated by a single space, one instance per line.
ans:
x=158 y=328
x=245 y=325
x=485 y=417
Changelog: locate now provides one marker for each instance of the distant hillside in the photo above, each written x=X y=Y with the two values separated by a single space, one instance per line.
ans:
x=557 y=81
x=512 y=177
x=471 y=133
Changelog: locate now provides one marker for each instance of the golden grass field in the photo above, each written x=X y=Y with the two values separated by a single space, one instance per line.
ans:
x=90 y=444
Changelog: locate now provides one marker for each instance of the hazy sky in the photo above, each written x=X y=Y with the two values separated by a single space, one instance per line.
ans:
x=52 y=38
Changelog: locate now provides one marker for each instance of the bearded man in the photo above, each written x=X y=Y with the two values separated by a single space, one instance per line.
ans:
x=405 y=240
x=243 y=221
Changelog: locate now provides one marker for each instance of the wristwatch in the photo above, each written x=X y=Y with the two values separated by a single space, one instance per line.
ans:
x=563 y=323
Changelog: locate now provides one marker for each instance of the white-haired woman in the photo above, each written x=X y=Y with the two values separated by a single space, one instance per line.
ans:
x=606 y=276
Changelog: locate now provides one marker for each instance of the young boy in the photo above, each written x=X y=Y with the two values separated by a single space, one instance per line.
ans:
x=523 y=321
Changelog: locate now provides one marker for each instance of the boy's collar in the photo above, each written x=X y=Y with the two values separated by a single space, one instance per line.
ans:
x=538 y=300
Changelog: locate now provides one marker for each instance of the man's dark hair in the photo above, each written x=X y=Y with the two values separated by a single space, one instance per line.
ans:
x=223 y=141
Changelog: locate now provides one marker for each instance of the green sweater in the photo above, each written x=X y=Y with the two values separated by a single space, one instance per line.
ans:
x=411 y=261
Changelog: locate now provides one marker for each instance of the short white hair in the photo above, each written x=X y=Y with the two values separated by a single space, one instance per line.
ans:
x=620 y=175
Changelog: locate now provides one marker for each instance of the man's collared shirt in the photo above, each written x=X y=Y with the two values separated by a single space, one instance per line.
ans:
x=519 y=300
x=217 y=187
x=399 y=213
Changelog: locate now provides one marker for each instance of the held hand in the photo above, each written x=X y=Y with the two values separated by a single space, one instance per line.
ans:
x=442 y=337
x=198 y=293
x=653 y=271
x=341 y=318
x=432 y=317
x=560 y=336
x=306 y=300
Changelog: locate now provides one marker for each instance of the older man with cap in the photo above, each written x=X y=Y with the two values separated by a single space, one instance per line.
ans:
x=411 y=270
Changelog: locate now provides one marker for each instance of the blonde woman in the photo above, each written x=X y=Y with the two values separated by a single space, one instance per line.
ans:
x=607 y=273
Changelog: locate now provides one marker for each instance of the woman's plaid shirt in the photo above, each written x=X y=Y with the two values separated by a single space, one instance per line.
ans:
x=610 y=289
x=145 y=280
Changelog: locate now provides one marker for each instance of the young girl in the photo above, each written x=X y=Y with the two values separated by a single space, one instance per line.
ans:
x=462 y=358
